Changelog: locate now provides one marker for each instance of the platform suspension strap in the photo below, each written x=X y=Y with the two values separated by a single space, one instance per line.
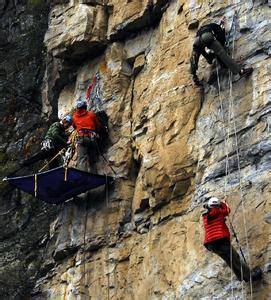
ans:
x=71 y=149
x=36 y=185
x=69 y=154
x=61 y=152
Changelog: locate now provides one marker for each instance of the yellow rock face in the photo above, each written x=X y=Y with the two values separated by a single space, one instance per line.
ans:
x=172 y=145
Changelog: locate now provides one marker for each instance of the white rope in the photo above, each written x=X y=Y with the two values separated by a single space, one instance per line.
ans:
x=240 y=187
x=84 y=247
x=226 y=142
x=239 y=172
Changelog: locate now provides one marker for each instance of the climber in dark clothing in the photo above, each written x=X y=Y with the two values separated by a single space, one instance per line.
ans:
x=55 y=140
x=212 y=37
x=217 y=240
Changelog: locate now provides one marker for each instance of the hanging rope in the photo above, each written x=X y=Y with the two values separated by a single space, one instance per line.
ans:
x=240 y=184
x=35 y=185
x=84 y=245
x=104 y=158
x=239 y=168
x=227 y=136
x=226 y=142
x=107 y=237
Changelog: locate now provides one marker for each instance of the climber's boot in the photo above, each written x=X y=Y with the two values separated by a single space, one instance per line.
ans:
x=256 y=274
x=245 y=72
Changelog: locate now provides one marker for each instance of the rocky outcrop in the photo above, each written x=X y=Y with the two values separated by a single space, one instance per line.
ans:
x=76 y=30
x=24 y=222
x=137 y=15
x=171 y=144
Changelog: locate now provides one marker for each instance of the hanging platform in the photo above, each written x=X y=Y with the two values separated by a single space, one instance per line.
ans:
x=58 y=185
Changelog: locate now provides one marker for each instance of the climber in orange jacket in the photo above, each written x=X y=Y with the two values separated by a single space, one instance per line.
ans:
x=86 y=124
x=217 y=239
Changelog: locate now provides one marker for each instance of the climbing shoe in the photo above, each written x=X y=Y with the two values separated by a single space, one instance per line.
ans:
x=256 y=274
x=245 y=72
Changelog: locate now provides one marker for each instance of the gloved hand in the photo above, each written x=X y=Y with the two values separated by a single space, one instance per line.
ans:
x=47 y=145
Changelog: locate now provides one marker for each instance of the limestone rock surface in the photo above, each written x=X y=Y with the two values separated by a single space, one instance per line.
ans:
x=76 y=30
x=172 y=145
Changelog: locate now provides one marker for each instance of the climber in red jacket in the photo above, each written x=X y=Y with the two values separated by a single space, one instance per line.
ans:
x=217 y=239
x=86 y=124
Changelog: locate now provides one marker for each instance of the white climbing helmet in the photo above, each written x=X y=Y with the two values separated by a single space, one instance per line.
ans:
x=213 y=202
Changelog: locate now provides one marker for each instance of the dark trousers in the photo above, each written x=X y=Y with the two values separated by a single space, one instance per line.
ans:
x=208 y=40
x=41 y=155
x=224 y=249
x=86 y=151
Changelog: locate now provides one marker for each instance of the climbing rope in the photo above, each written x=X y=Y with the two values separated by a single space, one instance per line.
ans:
x=231 y=110
x=226 y=142
x=240 y=183
x=104 y=158
x=84 y=245
x=108 y=239
x=239 y=168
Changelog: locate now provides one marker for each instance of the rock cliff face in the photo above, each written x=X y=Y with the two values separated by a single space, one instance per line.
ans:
x=171 y=144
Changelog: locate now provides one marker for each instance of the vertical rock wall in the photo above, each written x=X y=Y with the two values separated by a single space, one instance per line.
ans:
x=171 y=144
x=22 y=66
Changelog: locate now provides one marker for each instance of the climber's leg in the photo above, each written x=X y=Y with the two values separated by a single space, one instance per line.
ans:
x=223 y=248
x=222 y=54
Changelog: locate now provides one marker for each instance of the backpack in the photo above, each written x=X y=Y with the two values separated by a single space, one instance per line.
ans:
x=103 y=131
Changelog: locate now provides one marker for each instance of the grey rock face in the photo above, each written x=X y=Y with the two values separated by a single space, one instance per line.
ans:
x=22 y=64
x=141 y=238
